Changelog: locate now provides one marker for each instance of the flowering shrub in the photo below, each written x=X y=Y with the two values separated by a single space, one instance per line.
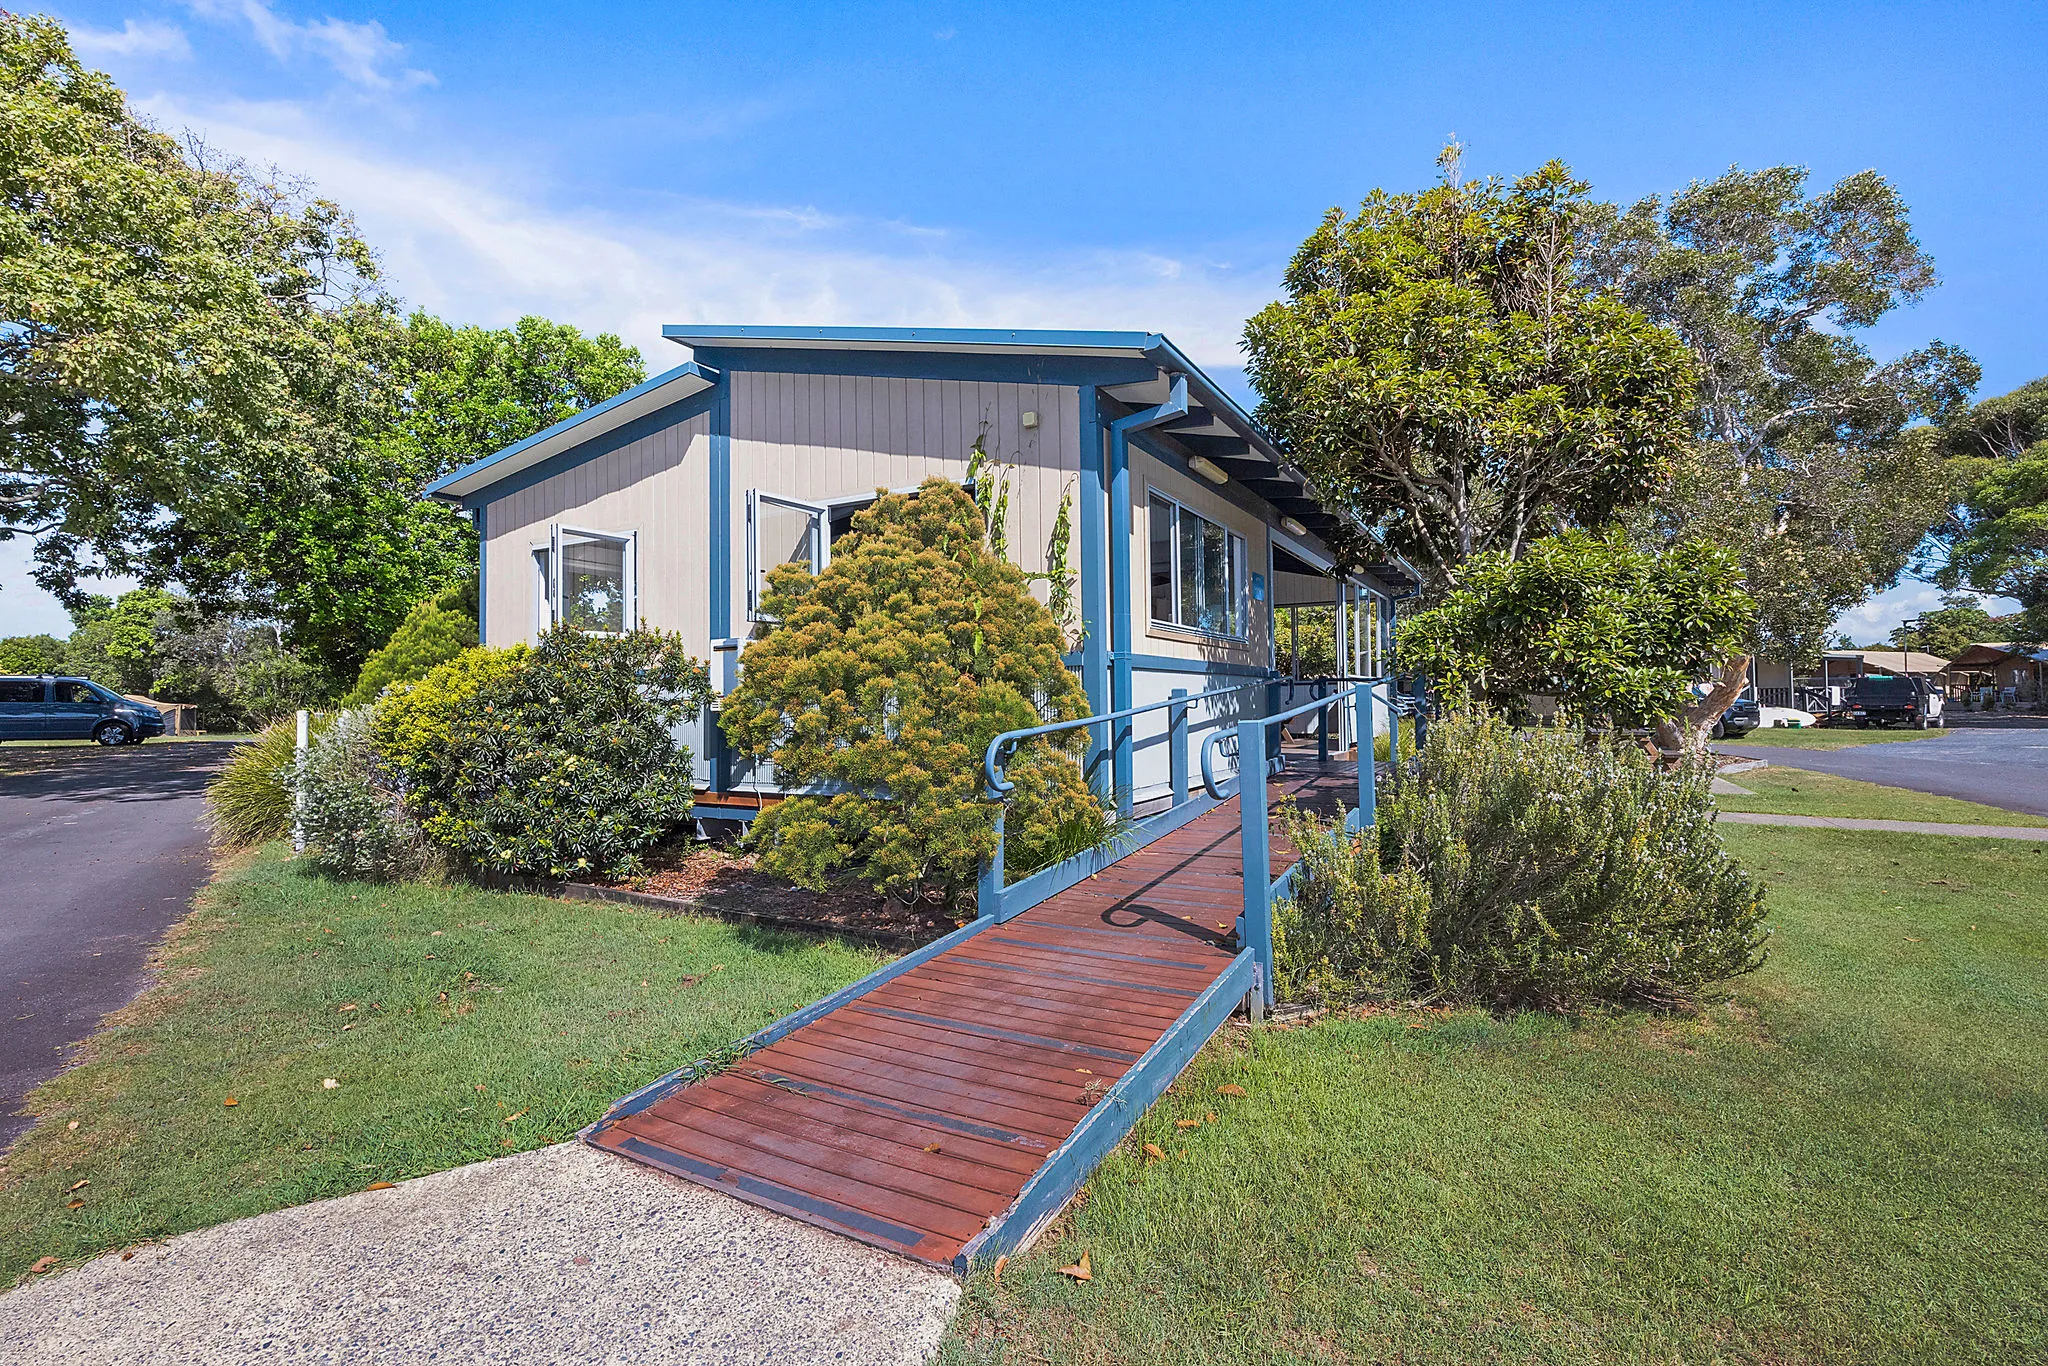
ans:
x=885 y=679
x=1520 y=867
x=558 y=761
x=350 y=808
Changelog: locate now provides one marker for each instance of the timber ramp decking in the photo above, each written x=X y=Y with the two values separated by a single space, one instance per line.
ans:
x=941 y=1104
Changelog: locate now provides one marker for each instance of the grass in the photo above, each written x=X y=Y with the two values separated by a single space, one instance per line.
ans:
x=1830 y=737
x=1845 y=1160
x=1797 y=792
x=482 y=1023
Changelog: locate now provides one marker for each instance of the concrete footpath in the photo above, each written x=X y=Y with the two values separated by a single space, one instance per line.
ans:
x=562 y=1255
x=1996 y=832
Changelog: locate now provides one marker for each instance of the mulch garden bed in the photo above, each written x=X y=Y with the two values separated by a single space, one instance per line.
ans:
x=732 y=887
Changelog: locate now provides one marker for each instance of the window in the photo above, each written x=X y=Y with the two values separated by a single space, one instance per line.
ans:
x=784 y=530
x=75 y=694
x=586 y=581
x=21 y=690
x=1197 y=571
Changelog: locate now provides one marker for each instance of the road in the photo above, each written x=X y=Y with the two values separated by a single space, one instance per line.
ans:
x=100 y=852
x=1999 y=765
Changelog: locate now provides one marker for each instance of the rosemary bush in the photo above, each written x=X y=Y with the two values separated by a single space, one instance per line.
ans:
x=1521 y=867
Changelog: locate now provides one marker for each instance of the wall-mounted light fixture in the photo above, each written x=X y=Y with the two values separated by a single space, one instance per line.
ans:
x=1030 y=420
x=1292 y=527
x=1208 y=469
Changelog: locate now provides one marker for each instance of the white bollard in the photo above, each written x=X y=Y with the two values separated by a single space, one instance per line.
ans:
x=298 y=790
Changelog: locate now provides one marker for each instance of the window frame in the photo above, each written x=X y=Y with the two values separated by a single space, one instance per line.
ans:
x=1237 y=556
x=548 y=608
x=823 y=512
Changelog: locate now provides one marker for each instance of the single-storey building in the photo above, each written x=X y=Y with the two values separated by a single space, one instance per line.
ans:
x=2003 y=672
x=669 y=504
x=1777 y=684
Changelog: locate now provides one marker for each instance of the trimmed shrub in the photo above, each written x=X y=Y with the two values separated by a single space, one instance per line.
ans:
x=1519 y=867
x=434 y=632
x=558 y=761
x=885 y=678
x=353 y=815
x=250 y=801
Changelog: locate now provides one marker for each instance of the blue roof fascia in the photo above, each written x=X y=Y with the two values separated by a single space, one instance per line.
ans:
x=691 y=334
x=685 y=370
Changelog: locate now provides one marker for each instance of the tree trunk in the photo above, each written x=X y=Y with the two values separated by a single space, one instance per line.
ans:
x=1692 y=730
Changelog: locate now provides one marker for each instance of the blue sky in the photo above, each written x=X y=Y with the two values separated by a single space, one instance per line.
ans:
x=1134 y=166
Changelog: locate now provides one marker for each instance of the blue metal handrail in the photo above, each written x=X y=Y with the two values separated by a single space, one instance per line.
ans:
x=1215 y=788
x=997 y=785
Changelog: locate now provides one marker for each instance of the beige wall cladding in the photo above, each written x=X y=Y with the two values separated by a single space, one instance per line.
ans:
x=657 y=487
x=821 y=437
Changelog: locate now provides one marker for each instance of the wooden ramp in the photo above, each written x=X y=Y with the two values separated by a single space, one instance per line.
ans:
x=949 y=1104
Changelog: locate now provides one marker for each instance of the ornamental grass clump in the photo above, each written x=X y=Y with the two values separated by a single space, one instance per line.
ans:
x=558 y=760
x=1517 y=867
x=883 y=680
x=250 y=801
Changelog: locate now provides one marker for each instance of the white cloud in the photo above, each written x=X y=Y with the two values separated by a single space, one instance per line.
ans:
x=361 y=54
x=477 y=246
x=132 y=39
x=1878 y=617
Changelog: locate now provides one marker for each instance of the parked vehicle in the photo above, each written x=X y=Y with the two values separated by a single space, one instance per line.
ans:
x=53 y=708
x=1892 y=700
x=1743 y=716
x=1788 y=718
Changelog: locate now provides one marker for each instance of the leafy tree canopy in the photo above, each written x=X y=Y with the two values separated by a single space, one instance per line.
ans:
x=31 y=655
x=1439 y=367
x=1809 y=455
x=1998 y=539
x=1616 y=633
x=1960 y=623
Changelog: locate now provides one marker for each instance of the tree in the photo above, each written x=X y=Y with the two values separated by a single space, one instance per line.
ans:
x=115 y=639
x=1960 y=623
x=1997 y=540
x=886 y=677
x=1810 y=457
x=1439 y=368
x=174 y=329
x=433 y=633
x=1618 y=634
x=31 y=655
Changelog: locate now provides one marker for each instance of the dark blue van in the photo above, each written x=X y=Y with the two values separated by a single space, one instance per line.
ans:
x=50 y=708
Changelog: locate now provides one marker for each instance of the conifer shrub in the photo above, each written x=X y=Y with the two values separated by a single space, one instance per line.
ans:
x=1520 y=868
x=556 y=761
x=883 y=680
x=434 y=632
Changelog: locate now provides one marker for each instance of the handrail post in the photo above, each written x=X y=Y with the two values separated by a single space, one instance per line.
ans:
x=1394 y=722
x=1177 y=746
x=1322 y=729
x=988 y=896
x=1258 y=860
x=1421 y=713
x=1367 y=798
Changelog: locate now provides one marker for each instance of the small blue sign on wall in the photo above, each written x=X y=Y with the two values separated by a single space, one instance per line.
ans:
x=1258 y=588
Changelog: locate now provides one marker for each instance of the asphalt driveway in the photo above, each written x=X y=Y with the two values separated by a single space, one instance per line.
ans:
x=100 y=853
x=2004 y=763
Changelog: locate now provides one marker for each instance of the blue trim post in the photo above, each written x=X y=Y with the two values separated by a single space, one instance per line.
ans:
x=988 y=898
x=1256 y=844
x=483 y=578
x=1420 y=693
x=1120 y=643
x=1095 y=574
x=1177 y=747
x=1322 y=730
x=721 y=514
x=1368 y=800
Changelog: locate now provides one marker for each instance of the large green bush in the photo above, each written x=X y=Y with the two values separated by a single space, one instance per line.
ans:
x=884 y=679
x=557 y=761
x=1518 y=867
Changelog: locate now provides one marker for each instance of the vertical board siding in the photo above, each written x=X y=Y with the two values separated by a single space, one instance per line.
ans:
x=823 y=437
x=656 y=488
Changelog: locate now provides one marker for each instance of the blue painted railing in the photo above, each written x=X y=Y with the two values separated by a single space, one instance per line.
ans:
x=1261 y=890
x=1002 y=902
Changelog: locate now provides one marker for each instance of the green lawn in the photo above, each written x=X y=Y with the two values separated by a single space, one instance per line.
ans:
x=483 y=1023
x=1846 y=1160
x=1797 y=792
x=1808 y=737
